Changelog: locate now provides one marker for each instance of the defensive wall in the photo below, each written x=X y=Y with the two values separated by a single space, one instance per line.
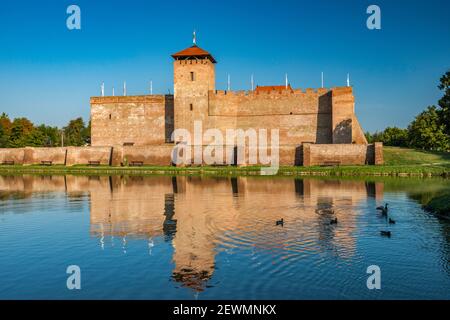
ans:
x=323 y=116
x=289 y=155
x=131 y=120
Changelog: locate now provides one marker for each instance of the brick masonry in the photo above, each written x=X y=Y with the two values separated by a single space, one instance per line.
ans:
x=323 y=117
x=315 y=126
x=338 y=154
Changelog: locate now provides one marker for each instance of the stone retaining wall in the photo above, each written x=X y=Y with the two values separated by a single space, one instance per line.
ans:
x=11 y=155
x=342 y=154
x=84 y=155
x=161 y=155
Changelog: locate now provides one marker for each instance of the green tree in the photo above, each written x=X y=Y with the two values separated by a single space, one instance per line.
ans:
x=3 y=137
x=87 y=133
x=374 y=137
x=393 y=136
x=427 y=132
x=35 y=138
x=369 y=137
x=21 y=128
x=74 y=133
x=5 y=122
x=51 y=136
x=5 y=130
x=444 y=102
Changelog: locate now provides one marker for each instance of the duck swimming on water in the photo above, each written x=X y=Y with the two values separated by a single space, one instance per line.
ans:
x=385 y=233
x=280 y=222
x=384 y=210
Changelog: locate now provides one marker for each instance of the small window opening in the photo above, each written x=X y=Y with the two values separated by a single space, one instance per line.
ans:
x=192 y=76
x=110 y=116
x=191 y=107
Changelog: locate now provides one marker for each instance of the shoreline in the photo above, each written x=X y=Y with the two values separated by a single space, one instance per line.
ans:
x=439 y=205
x=423 y=171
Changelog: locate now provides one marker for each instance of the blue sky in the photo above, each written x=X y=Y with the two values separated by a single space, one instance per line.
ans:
x=48 y=73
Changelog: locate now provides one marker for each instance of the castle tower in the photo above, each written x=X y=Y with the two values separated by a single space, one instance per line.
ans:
x=194 y=76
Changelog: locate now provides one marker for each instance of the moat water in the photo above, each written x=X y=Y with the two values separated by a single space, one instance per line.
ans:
x=217 y=238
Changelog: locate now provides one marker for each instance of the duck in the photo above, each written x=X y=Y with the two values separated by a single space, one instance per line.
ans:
x=334 y=221
x=385 y=233
x=384 y=210
x=280 y=222
x=391 y=221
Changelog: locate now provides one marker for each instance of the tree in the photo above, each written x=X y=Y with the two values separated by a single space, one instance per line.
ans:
x=5 y=130
x=393 y=136
x=20 y=129
x=444 y=102
x=427 y=132
x=369 y=137
x=3 y=137
x=5 y=122
x=35 y=138
x=22 y=133
x=51 y=135
x=74 y=133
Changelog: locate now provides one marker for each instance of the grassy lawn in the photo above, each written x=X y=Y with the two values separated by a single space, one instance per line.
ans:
x=404 y=156
x=398 y=162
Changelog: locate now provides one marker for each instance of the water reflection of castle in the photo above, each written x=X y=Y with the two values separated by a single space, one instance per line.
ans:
x=200 y=215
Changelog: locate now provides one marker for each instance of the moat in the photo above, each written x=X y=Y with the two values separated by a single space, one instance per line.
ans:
x=216 y=238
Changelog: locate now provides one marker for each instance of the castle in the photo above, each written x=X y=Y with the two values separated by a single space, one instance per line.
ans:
x=315 y=126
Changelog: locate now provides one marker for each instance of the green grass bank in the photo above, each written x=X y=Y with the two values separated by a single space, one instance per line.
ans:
x=439 y=204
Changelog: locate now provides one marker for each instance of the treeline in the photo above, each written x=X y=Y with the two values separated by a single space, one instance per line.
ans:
x=21 y=132
x=430 y=130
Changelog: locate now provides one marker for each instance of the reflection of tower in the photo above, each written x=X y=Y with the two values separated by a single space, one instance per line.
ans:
x=375 y=190
x=170 y=224
x=200 y=222
x=325 y=213
x=234 y=186
x=174 y=185
x=299 y=190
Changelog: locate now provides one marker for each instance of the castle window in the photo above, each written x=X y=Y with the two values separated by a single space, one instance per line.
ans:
x=192 y=76
x=110 y=116
x=191 y=107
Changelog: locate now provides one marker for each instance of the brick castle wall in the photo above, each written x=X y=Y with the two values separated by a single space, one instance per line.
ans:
x=342 y=154
x=138 y=120
x=324 y=116
x=289 y=155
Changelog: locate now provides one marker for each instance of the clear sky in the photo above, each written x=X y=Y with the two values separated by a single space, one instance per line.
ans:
x=48 y=73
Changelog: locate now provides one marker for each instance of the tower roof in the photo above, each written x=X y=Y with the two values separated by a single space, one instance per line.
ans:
x=193 y=52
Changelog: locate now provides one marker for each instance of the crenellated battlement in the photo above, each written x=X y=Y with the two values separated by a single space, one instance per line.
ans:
x=130 y=99
x=192 y=61
x=274 y=102
x=277 y=93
